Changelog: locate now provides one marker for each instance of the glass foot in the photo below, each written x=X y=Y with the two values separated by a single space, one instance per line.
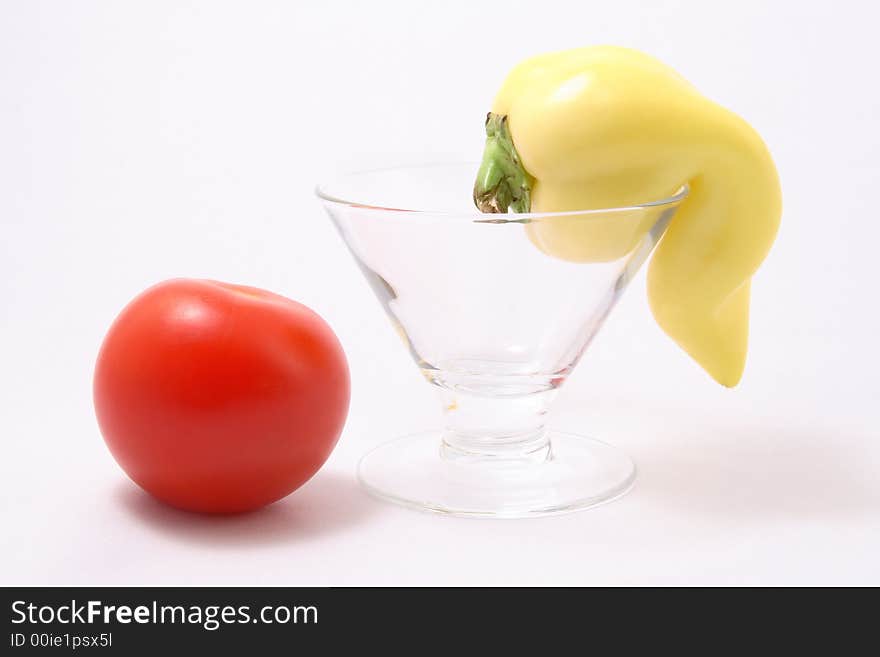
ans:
x=580 y=473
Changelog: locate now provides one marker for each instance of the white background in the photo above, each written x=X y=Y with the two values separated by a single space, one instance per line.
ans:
x=142 y=141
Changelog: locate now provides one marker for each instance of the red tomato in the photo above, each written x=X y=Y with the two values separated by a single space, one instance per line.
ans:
x=220 y=398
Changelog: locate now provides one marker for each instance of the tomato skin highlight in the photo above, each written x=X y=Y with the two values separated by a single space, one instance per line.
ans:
x=220 y=398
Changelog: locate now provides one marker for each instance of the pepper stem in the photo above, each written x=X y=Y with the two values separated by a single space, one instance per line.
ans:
x=502 y=182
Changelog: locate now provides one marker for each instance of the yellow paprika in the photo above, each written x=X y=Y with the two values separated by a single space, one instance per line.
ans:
x=605 y=127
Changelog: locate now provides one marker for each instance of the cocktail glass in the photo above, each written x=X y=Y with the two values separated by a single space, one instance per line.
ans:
x=496 y=315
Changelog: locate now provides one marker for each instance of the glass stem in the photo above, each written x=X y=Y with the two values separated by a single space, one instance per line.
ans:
x=496 y=427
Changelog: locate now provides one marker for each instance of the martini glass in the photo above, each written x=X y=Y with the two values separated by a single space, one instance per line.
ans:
x=496 y=310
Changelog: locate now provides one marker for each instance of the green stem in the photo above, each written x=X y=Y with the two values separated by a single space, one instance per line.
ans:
x=502 y=182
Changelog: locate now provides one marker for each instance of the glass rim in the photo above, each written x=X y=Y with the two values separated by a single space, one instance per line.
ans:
x=475 y=215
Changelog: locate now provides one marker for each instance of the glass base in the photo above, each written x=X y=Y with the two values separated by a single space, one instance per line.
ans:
x=579 y=474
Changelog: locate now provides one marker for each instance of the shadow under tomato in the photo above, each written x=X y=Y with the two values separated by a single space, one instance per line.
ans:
x=330 y=503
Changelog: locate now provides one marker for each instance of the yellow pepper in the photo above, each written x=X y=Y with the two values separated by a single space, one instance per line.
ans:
x=605 y=127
